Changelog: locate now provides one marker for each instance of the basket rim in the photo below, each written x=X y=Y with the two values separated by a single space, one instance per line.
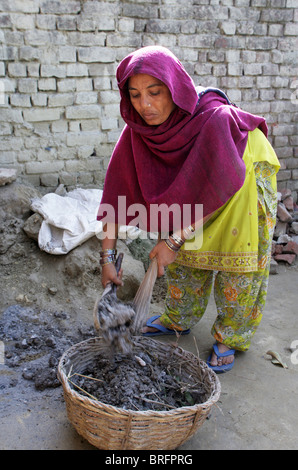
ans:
x=215 y=394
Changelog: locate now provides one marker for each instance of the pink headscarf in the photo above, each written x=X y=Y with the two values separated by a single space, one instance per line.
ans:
x=194 y=157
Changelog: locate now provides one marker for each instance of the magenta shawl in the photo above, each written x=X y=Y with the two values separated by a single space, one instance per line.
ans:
x=195 y=157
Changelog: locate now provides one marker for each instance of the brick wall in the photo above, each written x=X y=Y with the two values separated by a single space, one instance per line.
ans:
x=59 y=111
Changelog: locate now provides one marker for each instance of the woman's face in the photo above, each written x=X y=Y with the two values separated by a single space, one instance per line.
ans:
x=151 y=98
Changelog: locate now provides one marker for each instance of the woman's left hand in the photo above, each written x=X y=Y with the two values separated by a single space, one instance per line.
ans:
x=163 y=255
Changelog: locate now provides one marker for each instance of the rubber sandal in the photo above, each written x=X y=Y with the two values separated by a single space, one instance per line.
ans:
x=223 y=367
x=162 y=330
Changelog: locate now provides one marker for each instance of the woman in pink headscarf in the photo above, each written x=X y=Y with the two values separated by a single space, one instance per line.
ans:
x=184 y=149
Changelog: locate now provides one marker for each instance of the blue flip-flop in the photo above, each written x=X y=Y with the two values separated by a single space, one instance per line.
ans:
x=223 y=367
x=162 y=330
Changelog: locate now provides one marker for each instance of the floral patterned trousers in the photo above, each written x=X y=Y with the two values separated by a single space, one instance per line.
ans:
x=239 y=297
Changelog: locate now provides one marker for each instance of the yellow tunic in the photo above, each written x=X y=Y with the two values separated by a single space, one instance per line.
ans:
x=229 y=240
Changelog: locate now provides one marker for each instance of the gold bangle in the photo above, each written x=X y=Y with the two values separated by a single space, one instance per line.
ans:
x=171 y=246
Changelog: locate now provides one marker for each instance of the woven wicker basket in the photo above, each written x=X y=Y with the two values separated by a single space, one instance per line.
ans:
x=111 y=428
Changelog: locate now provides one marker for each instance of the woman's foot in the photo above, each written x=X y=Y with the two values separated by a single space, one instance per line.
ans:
x=219 y=361
x=149 y=329
x=154 y=327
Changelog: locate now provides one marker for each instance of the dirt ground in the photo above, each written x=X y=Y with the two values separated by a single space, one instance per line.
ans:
x=46 y=304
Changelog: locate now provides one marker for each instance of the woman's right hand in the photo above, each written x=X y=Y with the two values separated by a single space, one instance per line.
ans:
x=163 y=255
x=109 y=274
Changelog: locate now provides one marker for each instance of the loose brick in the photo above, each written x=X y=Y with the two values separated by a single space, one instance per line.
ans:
x=294 y=227
x=291 y=247
x=278 y=249
x=283 y=214
x=289 y=203
x=288 y=258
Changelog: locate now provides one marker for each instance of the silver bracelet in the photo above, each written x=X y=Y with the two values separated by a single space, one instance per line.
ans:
x=177 y=239
x=107 y=260
x=171 y=245
x=107 y=256
x=108 y=251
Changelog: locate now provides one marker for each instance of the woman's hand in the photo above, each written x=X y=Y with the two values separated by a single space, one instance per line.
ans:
x=108 y=271
x=109 y=274
x=163 y=255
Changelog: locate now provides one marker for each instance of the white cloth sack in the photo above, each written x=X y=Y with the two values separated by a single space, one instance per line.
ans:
x=70 y=220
